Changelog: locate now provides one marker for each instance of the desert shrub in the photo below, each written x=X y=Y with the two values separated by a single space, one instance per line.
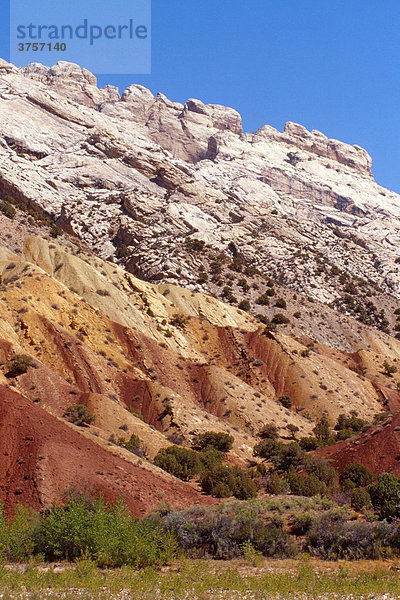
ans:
x=293 y=429
x=210 y=459
x=280 y=319
x=288 y=457
x=308 y=443
x=388 y=368
x=332 y=537
x=134 y=445
x=301 y=522
x=305 y=485
x=7 y=209
x=103 y=293
x=180 y=462
x=123 y=251
x=346 y=426
x=223 y=533
x=267 y=448
x=360 y=498
x=179 y=320
x=315 y=465
x=286 y=401
x=263 y=300
x=382 y=416
x=322 y=430
x=280 y=303
x=225 y=481
x=19 y=365
x=268 y=431
x=343 y=434
x=78 y=414
x=244 y=305
x=55 y=231
x=104 y=533
x=218 y=440
x=195 y=245
x=385 y=496
x=355 y=475
x=273 y=484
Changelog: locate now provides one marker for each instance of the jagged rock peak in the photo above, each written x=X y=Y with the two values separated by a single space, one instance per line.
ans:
x=316 y=142
x=81 y=86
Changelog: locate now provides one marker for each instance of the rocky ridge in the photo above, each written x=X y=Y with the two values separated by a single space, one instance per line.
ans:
x=147 y=174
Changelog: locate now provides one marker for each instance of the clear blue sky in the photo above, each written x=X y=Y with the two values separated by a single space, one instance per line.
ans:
x=332 y=65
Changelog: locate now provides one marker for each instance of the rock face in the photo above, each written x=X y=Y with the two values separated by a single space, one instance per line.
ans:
x=147 y=173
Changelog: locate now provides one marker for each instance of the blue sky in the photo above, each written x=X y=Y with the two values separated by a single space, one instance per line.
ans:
x=329 y=65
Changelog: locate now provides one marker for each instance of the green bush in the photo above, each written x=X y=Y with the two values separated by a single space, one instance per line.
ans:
x=360 y=498
x=244 y=305
x=16 y=534
x=347 y=426
x=7 y=209
x=103 y=533
x=134 y=445
x=293 y=429
x=305 y=485
x=280 y=319
x=315 y=465
x=19 y=365
x=308 y=443
x=286 y=401
x=180 y=462
x=355 y=475
x=389 y=369
x=78 y=414
x=273 y=484
x=288 y=457
x=385 y=496
x=268 y=431
x=225 y=481
x=220 y=441
x=280 y=303
x=179 y=320
x=302 y=522
x=322 y=430
x=267 y=448
x=210 y=459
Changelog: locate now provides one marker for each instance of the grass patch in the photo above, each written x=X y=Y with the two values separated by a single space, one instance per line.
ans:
x=202 y=579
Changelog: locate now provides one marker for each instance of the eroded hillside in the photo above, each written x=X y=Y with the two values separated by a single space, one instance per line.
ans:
x=158 y=361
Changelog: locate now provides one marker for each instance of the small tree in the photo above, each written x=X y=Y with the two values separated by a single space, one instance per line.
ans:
x=225 y=481
x=19 y=365
x=360 y=498
x=308 y=443
x=355 y=475
x=78 y=414
x=385 y=496
x=267 y=448
x=388 y=369
x=293 y=429
x=220 y=441
x=321 y=430
x=7 y=209
x=268 y=431
x=180 y=462
x=289 y=457
x=286 y=401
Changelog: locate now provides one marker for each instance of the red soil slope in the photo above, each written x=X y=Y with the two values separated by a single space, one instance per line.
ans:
x=378 y=448
x=41 y=458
